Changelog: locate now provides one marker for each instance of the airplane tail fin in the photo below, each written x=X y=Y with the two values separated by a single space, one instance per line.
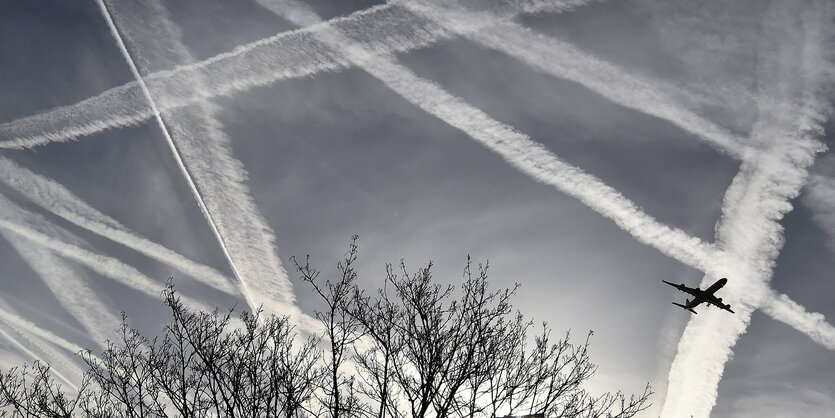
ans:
x=685 y=307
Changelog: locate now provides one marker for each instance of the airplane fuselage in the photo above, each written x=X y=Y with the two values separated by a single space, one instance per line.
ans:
x=700 y=296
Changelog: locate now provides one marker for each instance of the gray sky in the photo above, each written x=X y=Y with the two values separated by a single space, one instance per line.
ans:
x=643 y=95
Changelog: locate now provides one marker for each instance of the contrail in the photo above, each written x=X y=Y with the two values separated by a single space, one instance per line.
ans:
x=15 y=321
x=35 y=356
x=819 y=197
x=32 y=227
x=69 y=286
x=57 y=199
x=814 y=325
x=517 y=148
x=792 y=109
x=202 y=146
x=384 y=29
x=176 y=153
x=563 y=60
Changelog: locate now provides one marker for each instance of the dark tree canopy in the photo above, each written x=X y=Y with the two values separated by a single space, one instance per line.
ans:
x=413 y=348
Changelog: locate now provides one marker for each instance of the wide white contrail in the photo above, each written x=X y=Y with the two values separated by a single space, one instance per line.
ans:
x=517 y=148
x=59 y=200
x=563 y=60
x=792 y=108
x=70 y=286
x=204 y=152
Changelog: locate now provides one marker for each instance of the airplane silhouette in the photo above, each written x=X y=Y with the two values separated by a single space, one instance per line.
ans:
x=702 y=295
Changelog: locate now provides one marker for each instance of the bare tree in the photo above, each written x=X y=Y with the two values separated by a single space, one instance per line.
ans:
x=414 y=348
x=340 y=332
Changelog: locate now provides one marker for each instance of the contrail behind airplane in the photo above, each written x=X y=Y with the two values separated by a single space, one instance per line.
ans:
x=793 y=104
x=175 y=151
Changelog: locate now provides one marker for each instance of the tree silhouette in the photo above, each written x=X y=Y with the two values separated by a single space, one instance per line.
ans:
x=413 y=348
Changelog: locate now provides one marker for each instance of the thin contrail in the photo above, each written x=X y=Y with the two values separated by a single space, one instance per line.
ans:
x=71 y=288
x=33 y=228
x=205 y=149
x=563 y=60
x=793 y=106
x=515 y=147
x=35 y=356
x=176 y=153
x=57 y=199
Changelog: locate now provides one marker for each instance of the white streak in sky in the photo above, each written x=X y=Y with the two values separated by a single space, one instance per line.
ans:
x=34 y=228
x=15 y=321
x=175 y=151
x=26 y=350
x=204 y=153
x=70 y=286
x=383 y=29
x=793 y=104
x=813 y=324
x=57 y=199
x=518 y=149
x=563 y=60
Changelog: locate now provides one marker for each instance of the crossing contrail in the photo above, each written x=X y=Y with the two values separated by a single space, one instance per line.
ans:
x=563 y=60
x=383 y=29
x=57 y=199
x=71 y=288
x=174 y=149
x=515 y=147
x=197 y=137
x=793 y=106
x=35 y=229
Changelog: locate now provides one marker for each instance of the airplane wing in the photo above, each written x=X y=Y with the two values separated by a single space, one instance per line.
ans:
x=717 y=302
x=685 y=289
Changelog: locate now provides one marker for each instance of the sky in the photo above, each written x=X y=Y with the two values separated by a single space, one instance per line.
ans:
x=586 y=149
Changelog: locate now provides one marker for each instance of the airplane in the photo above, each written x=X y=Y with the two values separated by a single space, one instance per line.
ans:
x=702 y=295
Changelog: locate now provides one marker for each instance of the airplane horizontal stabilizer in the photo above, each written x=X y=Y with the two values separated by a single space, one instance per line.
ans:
x=685 y=307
